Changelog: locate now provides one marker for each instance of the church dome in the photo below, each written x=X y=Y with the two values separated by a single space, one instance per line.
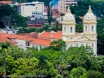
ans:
x=89 y=15
x=68 y=15
x=68 y=18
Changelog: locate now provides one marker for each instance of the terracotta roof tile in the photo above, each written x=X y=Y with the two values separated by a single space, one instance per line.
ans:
x=54 y=35
x=32 y=34
x=34 y=41
x=14 y=36
x=3 y=39
x=41 y=42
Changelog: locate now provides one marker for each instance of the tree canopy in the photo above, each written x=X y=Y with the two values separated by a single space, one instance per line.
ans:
x=10 y=17
x=50 y=63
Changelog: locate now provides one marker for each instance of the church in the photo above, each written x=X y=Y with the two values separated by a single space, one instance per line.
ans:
x=89 y=35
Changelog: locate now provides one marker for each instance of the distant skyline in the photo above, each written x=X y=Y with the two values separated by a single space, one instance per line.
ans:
x=53 y=2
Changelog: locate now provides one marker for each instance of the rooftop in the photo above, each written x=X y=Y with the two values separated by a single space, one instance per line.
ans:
x=52 y=35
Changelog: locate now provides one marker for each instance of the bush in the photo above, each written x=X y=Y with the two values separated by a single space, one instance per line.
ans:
x=94 y=74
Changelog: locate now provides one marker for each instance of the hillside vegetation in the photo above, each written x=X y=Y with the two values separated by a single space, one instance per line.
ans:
x=97 y=0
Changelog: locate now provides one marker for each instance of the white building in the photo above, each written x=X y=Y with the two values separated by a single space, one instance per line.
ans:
x=29 y=9
x=89 y=35
x=8 y=31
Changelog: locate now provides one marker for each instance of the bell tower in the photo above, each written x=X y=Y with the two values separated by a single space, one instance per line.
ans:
x=89 y=22
x=68 y=26
x=89 y=29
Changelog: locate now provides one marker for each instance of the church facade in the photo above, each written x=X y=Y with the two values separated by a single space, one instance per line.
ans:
x=89 y=35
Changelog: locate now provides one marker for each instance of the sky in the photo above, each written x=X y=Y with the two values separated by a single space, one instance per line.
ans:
x=53 y=2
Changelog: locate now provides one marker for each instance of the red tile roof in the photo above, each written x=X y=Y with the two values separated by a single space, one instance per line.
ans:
x=32 y=34
x=5 y=2
x=41 y=42
x=52 y=35
x=43 y=39
x=26 y=38
x=14 y=36
x=3 y=39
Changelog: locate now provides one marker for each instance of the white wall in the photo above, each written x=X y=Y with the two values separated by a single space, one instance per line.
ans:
x=9 y=32
x=37 y=46
x=28 y=8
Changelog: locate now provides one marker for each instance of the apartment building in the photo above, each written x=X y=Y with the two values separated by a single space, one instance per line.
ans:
x=62 y=4
x=32 y=8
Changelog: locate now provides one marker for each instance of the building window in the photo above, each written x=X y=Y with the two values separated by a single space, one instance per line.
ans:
x=86 y=44
x=71 y=45
x=77 y=45
x=86 y=28
x=92 y=28
x=27 y=43
x=71 y=37
x=71 y=30
x=81 y=44
x=64 y=29
x=92 y=45
x=13 y=31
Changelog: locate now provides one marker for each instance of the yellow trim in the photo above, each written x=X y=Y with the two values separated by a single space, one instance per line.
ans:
x=68 y=35
x=67 y=41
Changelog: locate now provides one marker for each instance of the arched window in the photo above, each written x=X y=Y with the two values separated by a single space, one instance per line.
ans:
x=71 y=30
x=86 y=28
x=92 y=28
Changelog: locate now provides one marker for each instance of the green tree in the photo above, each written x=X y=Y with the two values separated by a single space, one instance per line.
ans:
x=94 y=74
x=4 y=46
x=57 y=25
x=49 y=15
x=9 y=16
x=58 y=45
x=79 y=27
x=81 y=56
x=19 y=21
x=78 y=72
x=7 y=10
x=100 y=36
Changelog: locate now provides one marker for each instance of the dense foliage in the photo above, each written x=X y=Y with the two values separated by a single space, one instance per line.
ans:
x=50 y=62
x=44 y=27
x=10 y=17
